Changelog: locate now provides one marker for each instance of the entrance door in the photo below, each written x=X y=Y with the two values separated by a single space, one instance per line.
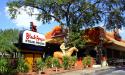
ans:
x=29 y=60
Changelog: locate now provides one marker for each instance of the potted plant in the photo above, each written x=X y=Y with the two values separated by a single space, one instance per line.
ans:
x=56 y=63
x=40 y=64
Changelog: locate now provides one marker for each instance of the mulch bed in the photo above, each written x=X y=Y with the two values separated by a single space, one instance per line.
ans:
x=52 y=71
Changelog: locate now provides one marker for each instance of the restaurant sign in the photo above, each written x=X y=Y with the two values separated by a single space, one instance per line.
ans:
x=34 y=38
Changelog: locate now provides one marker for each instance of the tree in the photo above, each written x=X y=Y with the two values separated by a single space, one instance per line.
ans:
x=66 y=12
x=74 y=14
x=7 y=40
x=75 y=39
x=112 y=13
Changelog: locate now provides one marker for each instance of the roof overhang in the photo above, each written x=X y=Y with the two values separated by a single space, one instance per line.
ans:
x=116 y=47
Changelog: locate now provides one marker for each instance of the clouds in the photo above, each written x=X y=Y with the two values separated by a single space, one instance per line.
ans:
x=122 y=33
x=23 y=19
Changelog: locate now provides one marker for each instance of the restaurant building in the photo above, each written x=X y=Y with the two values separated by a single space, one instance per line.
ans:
x=98 y=42
x=34 y=45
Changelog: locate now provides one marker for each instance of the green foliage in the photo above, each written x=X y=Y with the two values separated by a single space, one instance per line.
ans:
x=8 y=66
x=73 y=60
x=22 y=66
x=75 y=39
x=66 y=12
x=66 y=64
x=48 y=62
x=40 y=64
x=3 y=66
x=75 y=13
x=56 y=63
x=12 y=66
x=113 y=13
x=86 y=61
x=7 y=40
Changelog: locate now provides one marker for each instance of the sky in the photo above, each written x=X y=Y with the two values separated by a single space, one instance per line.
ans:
x=23 y=21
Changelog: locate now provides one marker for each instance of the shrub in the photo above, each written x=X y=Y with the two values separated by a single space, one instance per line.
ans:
x=3 y=66
x=12 y=66
x=86 y=61
x=56 y=63
x=48 y=62
x=22 y=66
x=73 y=60
x=40 y=64
x=66 y=64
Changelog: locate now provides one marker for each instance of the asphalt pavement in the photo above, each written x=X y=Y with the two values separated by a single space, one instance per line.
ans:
x=89 y=71
x=117 y=71
x=98 y=71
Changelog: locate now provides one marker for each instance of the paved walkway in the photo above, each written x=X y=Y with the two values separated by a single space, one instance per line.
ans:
x=78 y=72
x=91 y=71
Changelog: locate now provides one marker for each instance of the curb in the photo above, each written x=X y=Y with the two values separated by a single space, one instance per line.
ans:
x=97 y=70
x=89 y=71
x=66 y=72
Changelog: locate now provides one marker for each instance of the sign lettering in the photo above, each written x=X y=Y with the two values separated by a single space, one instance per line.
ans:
x=34 y=38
